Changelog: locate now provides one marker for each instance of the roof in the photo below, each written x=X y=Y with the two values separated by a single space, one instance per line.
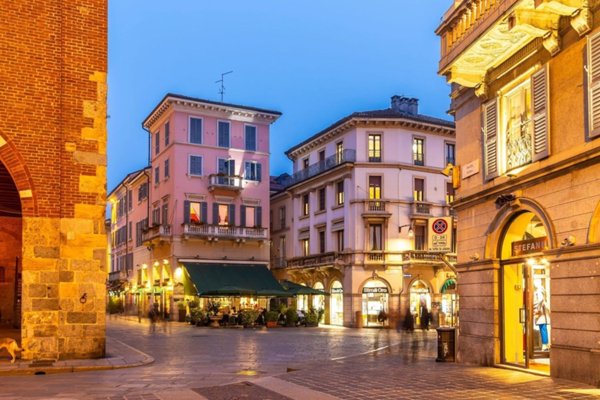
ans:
x=219 y=280
x=129 y=177
x=173 y=96
x=388 y=113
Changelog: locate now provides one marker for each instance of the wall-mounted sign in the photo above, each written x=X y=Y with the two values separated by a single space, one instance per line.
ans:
x=375 y=290
x=470 y=169
x=337 y=290
x=529 y=246
x=440 y=234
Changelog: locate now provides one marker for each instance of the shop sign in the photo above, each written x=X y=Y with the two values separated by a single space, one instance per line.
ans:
x=337 y=290
x=375 y=290
x=528 y=246
x=440 y=234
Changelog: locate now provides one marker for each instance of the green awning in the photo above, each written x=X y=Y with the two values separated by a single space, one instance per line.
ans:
x=296 y=289
x=223 y=280
x=450 y=284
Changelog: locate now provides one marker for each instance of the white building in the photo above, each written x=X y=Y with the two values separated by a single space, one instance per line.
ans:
x=353 y=217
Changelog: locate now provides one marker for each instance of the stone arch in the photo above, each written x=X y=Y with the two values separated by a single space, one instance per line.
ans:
x=377 y=278
x=594 y=229
x=14 y=163
x=504 y=217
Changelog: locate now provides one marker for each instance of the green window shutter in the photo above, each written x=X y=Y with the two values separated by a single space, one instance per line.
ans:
x=489 y=129
x=541 y=133
x=593 y=85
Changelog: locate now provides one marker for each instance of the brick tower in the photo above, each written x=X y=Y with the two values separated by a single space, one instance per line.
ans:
x=53 y=175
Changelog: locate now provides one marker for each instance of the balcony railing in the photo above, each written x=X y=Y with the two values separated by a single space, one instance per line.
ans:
x=279 y=262
x=156 y=232
x=312 y=260
x=117 y=276
x=231 y=182
x=420 y=208
x=224 y=231
x=346 y=156
x=375 y=206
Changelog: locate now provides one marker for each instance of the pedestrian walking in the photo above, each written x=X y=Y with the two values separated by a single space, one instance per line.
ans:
x=409 y=321
x=424 y=317
x=153 y=316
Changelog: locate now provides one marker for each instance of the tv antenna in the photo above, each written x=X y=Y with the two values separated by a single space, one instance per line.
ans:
x=222 y=82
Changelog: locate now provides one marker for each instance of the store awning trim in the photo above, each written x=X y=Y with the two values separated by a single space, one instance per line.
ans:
x=224 y=280
x=297 y=289
x=449 y=284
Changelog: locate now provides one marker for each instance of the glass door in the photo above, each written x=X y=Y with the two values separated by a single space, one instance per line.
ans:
x=516 y=318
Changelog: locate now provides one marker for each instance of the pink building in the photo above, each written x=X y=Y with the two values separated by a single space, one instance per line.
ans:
x=208 y=195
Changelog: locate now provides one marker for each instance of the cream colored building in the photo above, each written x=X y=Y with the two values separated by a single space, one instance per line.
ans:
x=524 y=80
x=353 y=218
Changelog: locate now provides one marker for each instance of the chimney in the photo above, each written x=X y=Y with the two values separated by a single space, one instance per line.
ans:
x=405 y=104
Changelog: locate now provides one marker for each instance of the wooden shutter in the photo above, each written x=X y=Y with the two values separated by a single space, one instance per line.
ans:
x=186 y=212
x=258 y=216
x=215 y=213
x=232 y=214
x=258 y=172
x=539 y=96
x=593 y=85
x=204 y=212
x=243 y=215
x=490 y=139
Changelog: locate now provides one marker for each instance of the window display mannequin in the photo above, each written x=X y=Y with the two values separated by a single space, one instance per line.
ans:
x=541 y=314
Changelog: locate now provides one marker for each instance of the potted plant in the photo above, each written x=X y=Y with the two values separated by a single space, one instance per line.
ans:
x=271 y=319
x=311 y=318
x=213 y=312
x=248 y=318
x=291 y=317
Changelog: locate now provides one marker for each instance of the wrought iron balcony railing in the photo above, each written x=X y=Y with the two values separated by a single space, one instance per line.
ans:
x=346 y=156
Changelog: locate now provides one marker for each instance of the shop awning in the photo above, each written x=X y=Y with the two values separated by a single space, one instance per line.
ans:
x=295 y=289
x=449 y=285
x=223 y=280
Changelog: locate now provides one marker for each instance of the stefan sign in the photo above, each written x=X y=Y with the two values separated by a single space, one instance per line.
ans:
x=528 y=246
x=440 y=234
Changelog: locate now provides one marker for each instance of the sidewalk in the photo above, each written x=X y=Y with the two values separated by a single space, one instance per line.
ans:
x=118 y=355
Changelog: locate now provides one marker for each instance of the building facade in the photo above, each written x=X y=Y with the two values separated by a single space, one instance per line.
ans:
x=208 y=186
x=524 y=80
x=53 y=176
x=354 y=217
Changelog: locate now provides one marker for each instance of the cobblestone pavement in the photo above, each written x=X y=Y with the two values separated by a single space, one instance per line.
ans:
x=304 y=363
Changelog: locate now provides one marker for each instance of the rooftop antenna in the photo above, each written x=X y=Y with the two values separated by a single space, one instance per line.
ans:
x=222 y=82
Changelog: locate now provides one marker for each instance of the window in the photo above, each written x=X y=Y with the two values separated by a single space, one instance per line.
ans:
x=165 y=213
x=282 y=246
x=140 y=226
x=226 y=169
x=129 y=200
x=251 y=217
x=195 y=131
x=156 y=175
x=223 y=138
x=515 y=125
x=195 y=212
x=418 y=151
x=340 y=240
x=282 y=217
x=305 y=205
x=167 y=133
x=419 y=189
x=156 y=142
x=376 y=241
x=321 y=158
x=167 y=169
x=305 y=245
x=322 y=241
x=339 y=152
x=252 y=171
x=142 y=191
x=593 y=83
x=420 y=237
x=156 y=216
x=250 y=134
x=374 y=148
x=223 y=214
x=449 y=193
x=195 y=166
x=450 y=154
x=339 y=193
x=305 y=163
x=130 y=231
x=322 y=199
x=374 y=187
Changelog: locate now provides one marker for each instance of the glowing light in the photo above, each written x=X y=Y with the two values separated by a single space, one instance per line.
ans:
x=165 y=261
x=178 y=273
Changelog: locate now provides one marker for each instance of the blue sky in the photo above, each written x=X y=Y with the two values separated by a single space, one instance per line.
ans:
x=315 y=61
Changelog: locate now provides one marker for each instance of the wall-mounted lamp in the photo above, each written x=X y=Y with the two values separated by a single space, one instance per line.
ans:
x=411 y=232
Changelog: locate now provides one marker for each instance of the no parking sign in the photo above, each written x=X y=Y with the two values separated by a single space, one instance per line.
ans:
x=440 y=234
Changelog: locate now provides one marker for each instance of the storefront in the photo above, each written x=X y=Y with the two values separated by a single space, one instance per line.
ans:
x=420 y=300
x=525 y=288
x=318 y=301
x=375 y=303
x=336 y=304
x=448 y=315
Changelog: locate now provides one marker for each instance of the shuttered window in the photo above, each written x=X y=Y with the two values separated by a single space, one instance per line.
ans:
x=490 y=139
x=593 y=85
x=541 y=137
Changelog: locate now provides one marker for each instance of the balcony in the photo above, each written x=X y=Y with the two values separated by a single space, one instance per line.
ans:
x=347 y=156
x=216 y=232
x=156 y=233
x=117 y=276
x=376 y=209
x=420 y=209
x=225 y=184
x=408 y=257
x=478 y=35
x=316 y=260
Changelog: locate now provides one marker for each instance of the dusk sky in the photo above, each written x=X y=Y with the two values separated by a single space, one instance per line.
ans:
x=315 y=61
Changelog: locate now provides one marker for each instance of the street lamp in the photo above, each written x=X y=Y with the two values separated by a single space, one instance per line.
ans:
x=411 y=232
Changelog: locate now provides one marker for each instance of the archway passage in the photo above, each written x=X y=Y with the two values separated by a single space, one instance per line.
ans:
x=10 y=252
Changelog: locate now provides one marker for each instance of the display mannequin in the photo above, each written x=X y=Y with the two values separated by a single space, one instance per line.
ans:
x=541 y=314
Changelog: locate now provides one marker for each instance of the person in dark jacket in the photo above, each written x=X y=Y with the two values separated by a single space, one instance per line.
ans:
x=409 y=321
x=424 y=316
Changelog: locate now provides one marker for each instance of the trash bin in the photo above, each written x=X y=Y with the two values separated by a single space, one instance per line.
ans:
x=358 y=321
x=446 y=344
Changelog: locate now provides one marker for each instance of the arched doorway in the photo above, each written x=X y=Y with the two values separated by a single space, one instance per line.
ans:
x=525 y=289
x=336 y=304
x=318 y=301
x=375 y=301
x=449 y=305
x=10 y=251
x=420 y=301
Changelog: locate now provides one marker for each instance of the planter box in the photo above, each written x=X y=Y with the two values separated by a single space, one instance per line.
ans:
x=272 y=324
